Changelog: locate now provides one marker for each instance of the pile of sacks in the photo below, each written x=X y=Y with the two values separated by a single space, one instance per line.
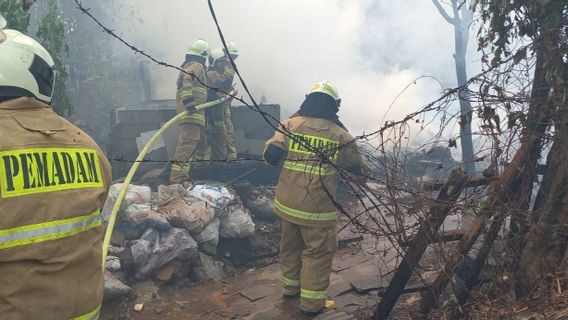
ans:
x=171 y=233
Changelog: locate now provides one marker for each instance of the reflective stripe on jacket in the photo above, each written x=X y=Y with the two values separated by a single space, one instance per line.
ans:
x=53 y=183
x=307 y=183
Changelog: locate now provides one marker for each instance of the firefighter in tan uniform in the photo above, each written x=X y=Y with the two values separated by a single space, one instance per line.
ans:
x=191 y=91
x=310 y=151
x=217 y=76
x=53 y=183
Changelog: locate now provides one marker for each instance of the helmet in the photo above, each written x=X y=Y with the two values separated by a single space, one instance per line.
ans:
x=3 y=22
x=216 y=54
x=27 y=69
x=199 y=48
x=326 y=88
x=233 y=50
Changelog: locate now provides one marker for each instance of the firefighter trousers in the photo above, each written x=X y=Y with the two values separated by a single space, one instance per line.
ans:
x=230 y=134
x=191 y=138
x=306 y=254
x=218 y=140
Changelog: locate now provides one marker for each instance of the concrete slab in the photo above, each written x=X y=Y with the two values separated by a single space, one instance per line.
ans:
x=341 y=263
x=258 y=292
x=366 y=284
x=339 y=288
x=334 y=315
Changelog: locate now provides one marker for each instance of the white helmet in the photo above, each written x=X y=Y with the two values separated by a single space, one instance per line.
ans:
x=326 y=88
x=27 y=69
x=3 y=22
x=216 y=54
x=233 y=49
x=199 y=48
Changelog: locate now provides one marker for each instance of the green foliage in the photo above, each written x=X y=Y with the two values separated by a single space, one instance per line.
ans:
x=51 y=32
x=509 y=21
x=17 y=16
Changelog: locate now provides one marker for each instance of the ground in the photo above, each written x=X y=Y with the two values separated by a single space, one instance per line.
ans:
x=254 y=294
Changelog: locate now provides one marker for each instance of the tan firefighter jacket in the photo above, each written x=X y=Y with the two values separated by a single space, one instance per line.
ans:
x=217 y=79
x=307 y=185
x=53 y=183
x=191 y=92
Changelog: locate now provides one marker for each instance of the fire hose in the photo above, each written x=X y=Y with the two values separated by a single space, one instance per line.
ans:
x=136 y=164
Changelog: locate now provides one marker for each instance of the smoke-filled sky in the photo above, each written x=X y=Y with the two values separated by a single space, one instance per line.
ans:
x=370 y=49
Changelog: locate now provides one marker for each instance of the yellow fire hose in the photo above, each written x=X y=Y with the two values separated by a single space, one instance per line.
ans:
x=136 y=164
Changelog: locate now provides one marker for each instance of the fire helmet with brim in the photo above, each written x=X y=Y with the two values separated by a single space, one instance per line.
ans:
x=27 y=68
x=326 y=88
x=199 y=48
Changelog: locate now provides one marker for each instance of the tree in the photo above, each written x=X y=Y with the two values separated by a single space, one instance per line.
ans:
x=461 y=19
x=51 y=32
x=16 y=13
x=543 y=26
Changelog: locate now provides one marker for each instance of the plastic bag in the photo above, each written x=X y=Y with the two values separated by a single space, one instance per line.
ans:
x=238 y=224
x=134 y=194
x=155 y=249
x=216 y=196
x=188 y=214
x=169 y=193
x=208 y=269
x=209 y=238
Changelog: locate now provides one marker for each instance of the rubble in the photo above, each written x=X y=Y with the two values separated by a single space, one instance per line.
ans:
x=114 y=288
x=208 y=269
x=237 y=224
x=156 y=248
x=216 y=196
x=209 y=238
x=189 y=214
x=134 y=194
x=173 y=233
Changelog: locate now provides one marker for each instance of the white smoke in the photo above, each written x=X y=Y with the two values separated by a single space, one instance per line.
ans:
x=370 y=49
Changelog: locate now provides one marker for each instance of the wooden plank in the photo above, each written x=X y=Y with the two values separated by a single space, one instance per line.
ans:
x=446 y=236
x=446 y=199
x=470 y=183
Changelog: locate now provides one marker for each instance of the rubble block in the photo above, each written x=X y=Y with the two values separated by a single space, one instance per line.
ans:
x=263 y=208
x=176 y=269
x=169 y=193
x=209 y=238
x=156 y=248
x=194 y=216
x=134 y=194
x=207 y=269
x=114 y=288
x=237 y=224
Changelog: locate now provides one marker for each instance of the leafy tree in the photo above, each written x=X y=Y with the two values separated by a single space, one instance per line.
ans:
x=51 y=31
x=16 y=13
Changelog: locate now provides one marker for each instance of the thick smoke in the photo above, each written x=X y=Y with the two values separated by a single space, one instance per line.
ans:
x=369 y=49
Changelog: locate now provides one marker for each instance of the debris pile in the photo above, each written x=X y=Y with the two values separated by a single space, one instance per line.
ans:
x=171 y=234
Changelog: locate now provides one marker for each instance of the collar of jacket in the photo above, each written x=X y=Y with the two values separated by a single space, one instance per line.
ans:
x=22 y=103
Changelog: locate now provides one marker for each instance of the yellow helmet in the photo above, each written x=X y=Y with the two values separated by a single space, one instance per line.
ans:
x=216 y=54
x=233 y=49
x=199 y=47
x=326 y=88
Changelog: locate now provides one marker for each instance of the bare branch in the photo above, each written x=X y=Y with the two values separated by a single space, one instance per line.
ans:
x=443 y=12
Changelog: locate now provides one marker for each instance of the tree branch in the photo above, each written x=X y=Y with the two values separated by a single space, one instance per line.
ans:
x=443 y=12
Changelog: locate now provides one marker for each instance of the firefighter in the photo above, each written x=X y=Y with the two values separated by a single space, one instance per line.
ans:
x=191 y=91
x=231 y=146
x=217 y=76
x=310 y=148
x=53 y=183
